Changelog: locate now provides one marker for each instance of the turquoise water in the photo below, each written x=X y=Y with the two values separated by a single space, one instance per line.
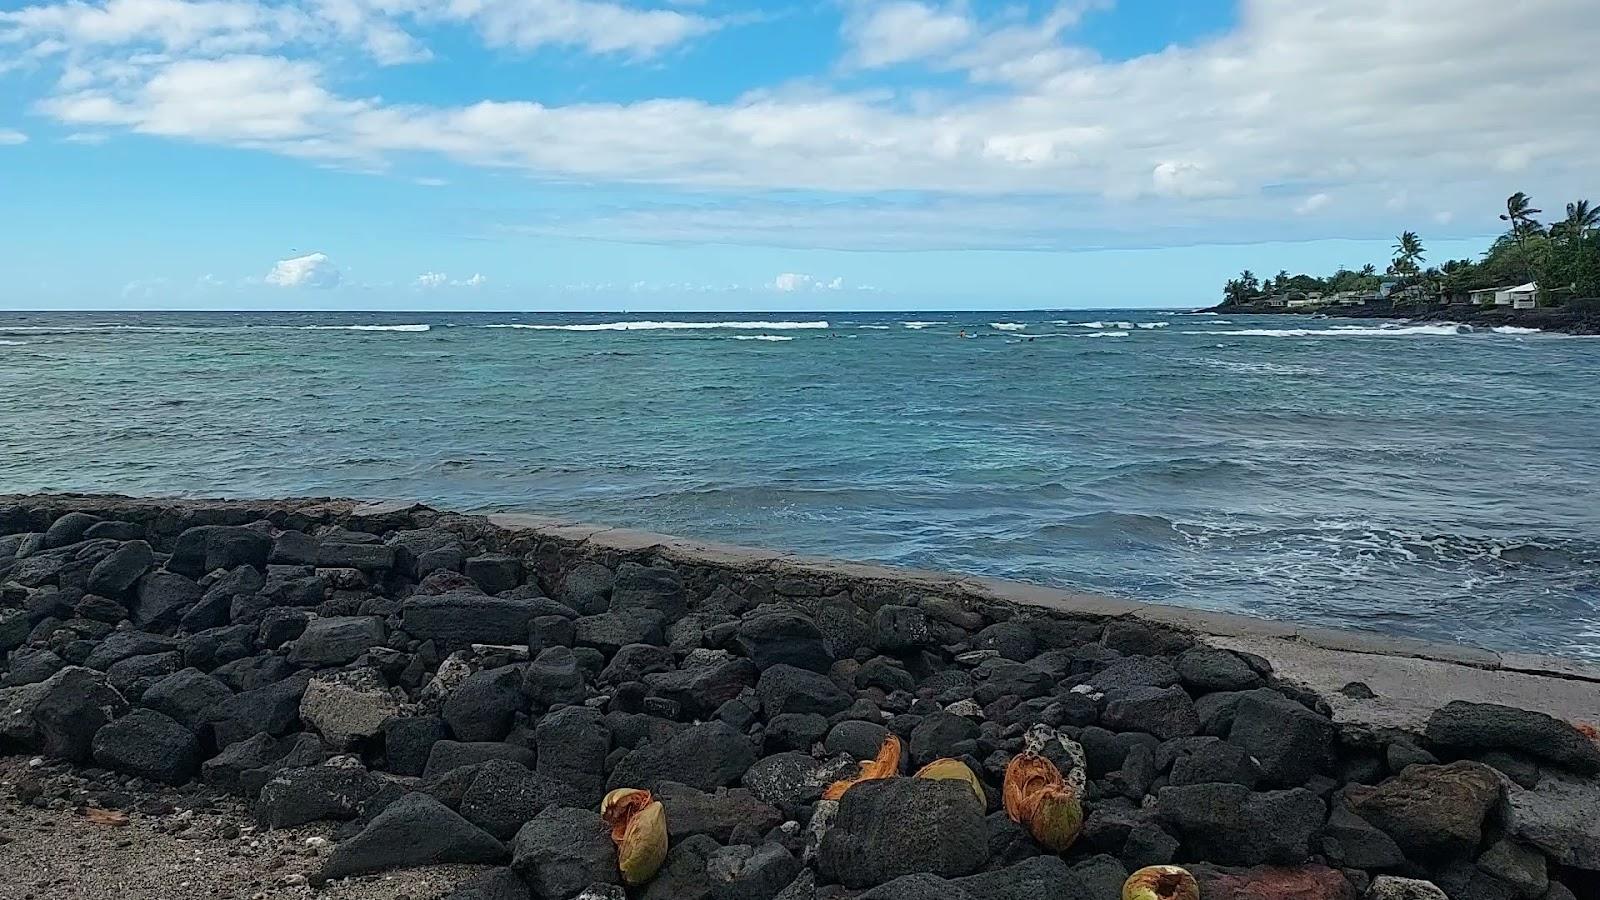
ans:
x=1420 y=480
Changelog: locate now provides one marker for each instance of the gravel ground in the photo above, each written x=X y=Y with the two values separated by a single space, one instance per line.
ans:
x=182 y=844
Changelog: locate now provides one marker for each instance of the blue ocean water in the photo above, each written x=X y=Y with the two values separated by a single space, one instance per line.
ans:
x=1423 y=480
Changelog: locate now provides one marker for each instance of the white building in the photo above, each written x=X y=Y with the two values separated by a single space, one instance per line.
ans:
x=1522 y=296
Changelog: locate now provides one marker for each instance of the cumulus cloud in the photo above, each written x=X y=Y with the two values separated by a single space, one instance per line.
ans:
x=477 y=280
x=1221 y=131
x=431 y=279
x=791 y=282
x=1312 y=203
x=314 y=270
x=9 y=137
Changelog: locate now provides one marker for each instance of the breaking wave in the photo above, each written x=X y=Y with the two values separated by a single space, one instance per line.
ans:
x=667 y=326
x=1007 y=326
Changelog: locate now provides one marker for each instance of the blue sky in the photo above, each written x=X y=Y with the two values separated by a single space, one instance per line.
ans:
x=646 y=154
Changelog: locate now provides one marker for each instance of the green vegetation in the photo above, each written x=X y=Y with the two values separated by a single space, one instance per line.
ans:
x=1563 y=258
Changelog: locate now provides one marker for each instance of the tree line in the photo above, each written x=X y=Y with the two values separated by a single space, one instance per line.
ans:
x=1563 y=257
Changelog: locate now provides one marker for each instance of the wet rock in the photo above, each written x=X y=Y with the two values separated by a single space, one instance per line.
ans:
x=415 y=830
x=350 y=706
x=121 y=569
x=1206 y=669
x=446 y=756
x=484 y=705
x=336 y=640
x=788 y=689
x=1290 y=742
x=297 y=796
x=505 y=794
x=704 y=756
x=900 y=826
x=1231 y=825
x=150 y=745
x=1433 y=811
x=1460 y=725
x=1164 y=712
x=562 y=851
x=783 y=637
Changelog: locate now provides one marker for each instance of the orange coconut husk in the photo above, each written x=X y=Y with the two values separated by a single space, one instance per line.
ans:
x=885 y=765
x=639 y=829
x=1026 y=776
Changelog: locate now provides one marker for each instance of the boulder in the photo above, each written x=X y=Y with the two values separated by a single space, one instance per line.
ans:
x=1309 y=882
x=572 y=744
x=1164 y=712
x=336 y=640
x=212 y=647
x=561 y=851
x=1290 y=742
x=376 y=558
x=634 y=661
x=227 y=770
x=698 y=869
x=130 y=677
x=349 y=706
x=610 y=632
x=587 y=588
x=902 y=629
x=1559 y=817
x=274 y=709
x=150 y=745
x=408 y=740
x=1463 y=726
x=1433 y=812
x=67 y=530
x=1231 y=825
x=163 y=598
x=484 y=705
x=1207 y=669
x=415 y=830
x=789 y=689
x=892 y=827
x=1216 y=761
x=1013 y=640
x=120 y=570
x=423 y=551
x=506 y=794
x=120 y=645
x=700 y=690
x=14 y=628
x=445 y=756
x=856 y=739
x=788 y=780
x=297 y=796
x=60 y=715
x=1391 y=887
x=936 y=736
x=705 y=757
x=1517 y=865
x=459 y=618
x=205 y=548
x=31 y=667
x=716 y=814
x=1133 y=672
x=648 y=587
x=1352 y=842
x=783 y=637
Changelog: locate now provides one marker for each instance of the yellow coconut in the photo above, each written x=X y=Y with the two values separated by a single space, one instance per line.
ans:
x=1056 y=818
x=1161 y=883
x=639 y=829
x=954 y=770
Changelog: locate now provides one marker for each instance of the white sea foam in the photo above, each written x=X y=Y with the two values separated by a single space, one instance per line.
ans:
x=667 y=326
x=1149 y=325
x=761 y=337
x=1100 y=334
x=12 y=343
x=1007 y=326
x=364 y=327
x=1513 y=329
x=1125 y=326
x=918 y=326
x=1343 y=331
x=874 y=327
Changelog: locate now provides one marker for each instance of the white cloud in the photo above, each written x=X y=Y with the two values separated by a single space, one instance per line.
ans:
x=431 y=279
x=1312 y=203
x=477 y=280
x=314 y=270
x=10 y=137
x=791 y=282
x=885 y=34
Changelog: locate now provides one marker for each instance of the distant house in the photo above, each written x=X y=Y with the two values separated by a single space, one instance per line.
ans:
x=1300 y=302
x=1349 y=298
x=1386 y=287
x=1278 y=301
x=1522 y=296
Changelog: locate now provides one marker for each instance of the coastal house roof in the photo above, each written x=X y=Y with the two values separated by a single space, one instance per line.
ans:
x=1528 y=288
x=1520 y=288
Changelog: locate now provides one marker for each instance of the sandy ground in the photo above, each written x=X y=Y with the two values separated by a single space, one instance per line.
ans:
x=182 y=844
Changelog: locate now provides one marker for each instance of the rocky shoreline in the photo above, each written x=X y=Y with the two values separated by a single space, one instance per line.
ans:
x=431 y=688
x=1556 y=320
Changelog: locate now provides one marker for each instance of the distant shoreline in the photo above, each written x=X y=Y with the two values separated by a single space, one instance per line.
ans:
x=1554 y=319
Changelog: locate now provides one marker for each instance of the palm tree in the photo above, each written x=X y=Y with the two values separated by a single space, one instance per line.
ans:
x=1408 y=252
x=1581 y=219
x=1369 y=270
x=1520 y=213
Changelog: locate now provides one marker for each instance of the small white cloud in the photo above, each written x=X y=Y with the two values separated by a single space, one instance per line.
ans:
x=10 y=137
x=1312 y=203
x=790 y=282
x=431 y=279
x=477 y=280
x=314 y=270
x=208 y=281
x=1178 y=178
x=87 y=137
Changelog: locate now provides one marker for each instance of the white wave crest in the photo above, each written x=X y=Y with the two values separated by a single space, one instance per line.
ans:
x=667 y=326
x=1125 y=326
x=1007 y=326
x=413 y=328
x=1346 y=331
x=874 y=327
x=1513 y=329
x=918 y=326
x=13 y=343
x=1149 y=325
x=761 y=337
x=1101 y=334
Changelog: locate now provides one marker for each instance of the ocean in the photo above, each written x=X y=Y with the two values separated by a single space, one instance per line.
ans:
x=1421 y=480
